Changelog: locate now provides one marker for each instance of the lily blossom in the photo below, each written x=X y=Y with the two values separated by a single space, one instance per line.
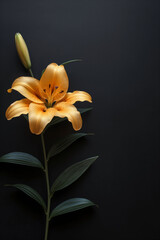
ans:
x=46 y=99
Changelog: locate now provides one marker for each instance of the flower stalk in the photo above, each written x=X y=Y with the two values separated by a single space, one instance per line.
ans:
x=48 y=187
x=47 y=179
x=30 y=71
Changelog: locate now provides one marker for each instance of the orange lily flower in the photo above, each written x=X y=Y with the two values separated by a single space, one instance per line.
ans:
x=47 y=98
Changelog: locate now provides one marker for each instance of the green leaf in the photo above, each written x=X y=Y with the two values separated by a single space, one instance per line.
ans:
x=71 y=205
x=26 y=117
x=31 y=193
x=64 y=143
x=21 y=158
x=84 y=110
x=71 y=61
x=59 y=120
x=71 y=174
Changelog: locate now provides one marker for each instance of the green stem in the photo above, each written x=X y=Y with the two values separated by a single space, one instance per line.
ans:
x=30 y=71
x=47 y=178
x=48 y=187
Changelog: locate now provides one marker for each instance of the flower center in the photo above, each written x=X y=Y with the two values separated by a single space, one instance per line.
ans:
x=50 y=94
x=49 y=104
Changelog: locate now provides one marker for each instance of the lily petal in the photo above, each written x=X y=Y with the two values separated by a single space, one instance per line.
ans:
x=39 y=117
x=47 y=79
x=17 y=108
x=81 y=96
x=29 y=87
x=54 y=82
x=71 y=112
x=61 y=83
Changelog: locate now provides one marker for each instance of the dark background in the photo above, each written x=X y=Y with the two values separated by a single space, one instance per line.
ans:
x=119 y=42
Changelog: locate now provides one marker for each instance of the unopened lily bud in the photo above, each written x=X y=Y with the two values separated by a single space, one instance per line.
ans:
x=22 y=51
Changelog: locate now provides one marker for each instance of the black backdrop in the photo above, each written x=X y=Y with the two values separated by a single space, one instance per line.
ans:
x=119 y=42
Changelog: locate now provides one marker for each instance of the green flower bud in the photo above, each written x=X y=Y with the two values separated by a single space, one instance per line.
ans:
x=22 y=51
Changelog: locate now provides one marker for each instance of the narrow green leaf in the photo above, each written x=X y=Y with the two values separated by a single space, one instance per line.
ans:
x=25 y=116
x=71 y=174
x=56 y=120
x=64 y=143
x=59 y=120
x=64 y=63
x=71 y=205
x=71 y=61
x=21 y=158
x=84 y=110
x=31 y=193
